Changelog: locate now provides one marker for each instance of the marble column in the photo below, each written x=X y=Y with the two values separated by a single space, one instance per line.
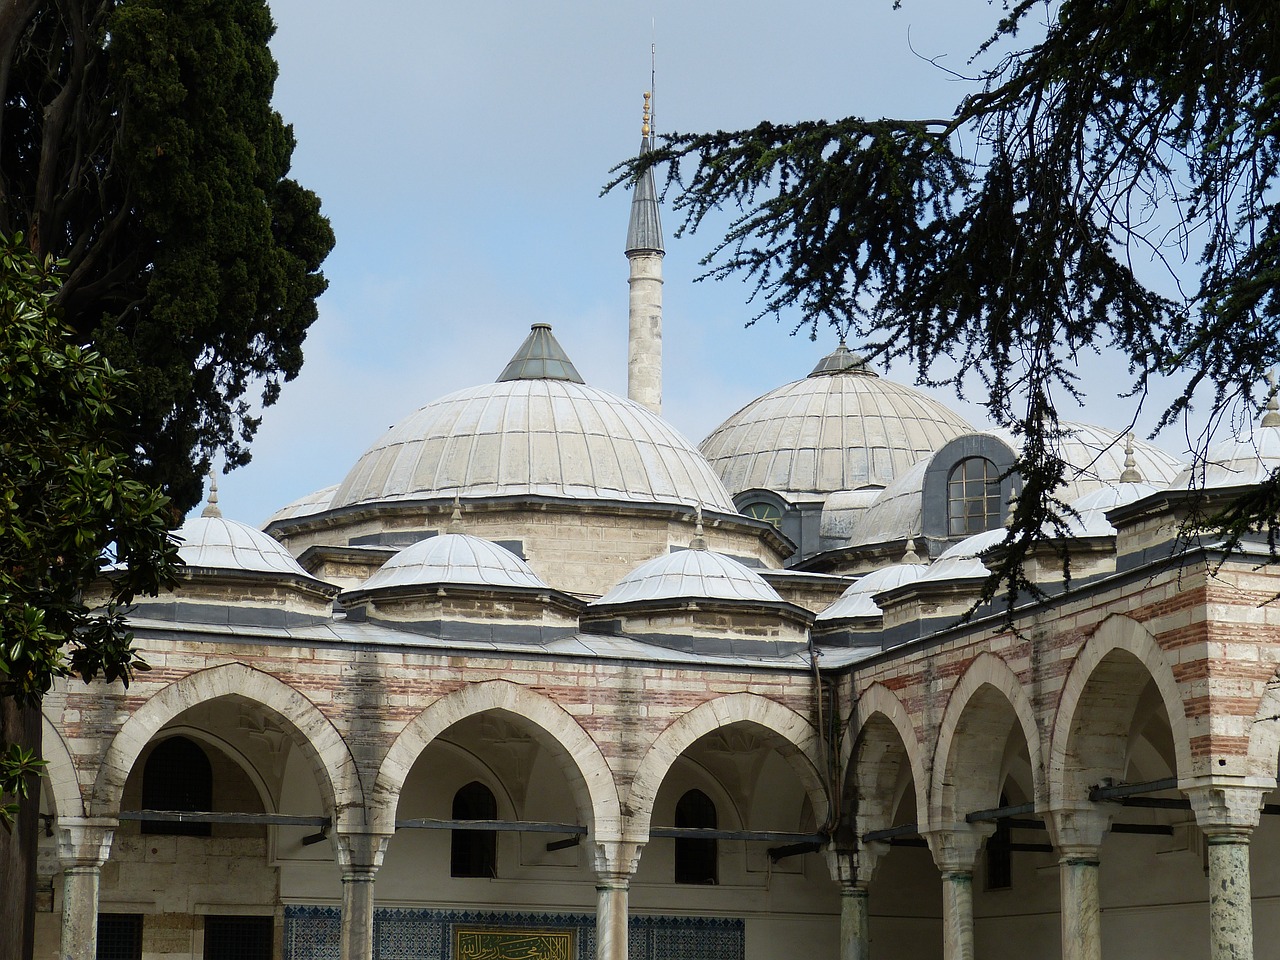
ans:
x=955 y=849
x=853 y=869
x=1077 y=833
x=615 y=864
x=359 y=855
x=83 y=847
x=1227 y=814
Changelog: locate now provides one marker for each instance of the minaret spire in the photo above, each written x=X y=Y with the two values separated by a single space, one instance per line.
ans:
x=644 y=252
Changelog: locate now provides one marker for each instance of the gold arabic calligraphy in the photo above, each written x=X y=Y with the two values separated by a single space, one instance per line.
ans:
x=470 y=943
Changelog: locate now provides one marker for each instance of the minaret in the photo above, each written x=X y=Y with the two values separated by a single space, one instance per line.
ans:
x=644 y=252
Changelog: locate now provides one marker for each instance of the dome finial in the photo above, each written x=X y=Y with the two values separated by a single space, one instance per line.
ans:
x=1272 y=417
x=1130 y=473
x=644 y=127
x=910 y=555
x=211 y=505
x=698 y=542
x=455 y=519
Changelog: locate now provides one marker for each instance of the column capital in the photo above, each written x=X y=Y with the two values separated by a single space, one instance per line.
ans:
x=85 y=841
x=955 y=846
x=854 y=868
x=360 y=854
x=1226 y=810
x=1077 y=830
x=615 y=861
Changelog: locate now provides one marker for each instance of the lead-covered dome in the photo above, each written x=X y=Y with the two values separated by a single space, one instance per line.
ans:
x=840 y=428
x=455 y=559
x=690 y=575
x=538 y=431
x=212 y=542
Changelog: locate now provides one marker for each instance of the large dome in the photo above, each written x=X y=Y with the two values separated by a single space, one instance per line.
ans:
x=840 y=428
x=537 y=432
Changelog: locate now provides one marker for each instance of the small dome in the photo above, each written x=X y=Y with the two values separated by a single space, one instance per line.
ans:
x=537 y=432
x=962 y=561
x=858 y=600
x=1241 y=461
x=691 y=575
x=1092 y=508
x=454 y=558
x=840 y=428
x=214 y=542
x=316 y=502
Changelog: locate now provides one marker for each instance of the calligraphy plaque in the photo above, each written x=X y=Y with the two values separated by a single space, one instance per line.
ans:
x=505 y=943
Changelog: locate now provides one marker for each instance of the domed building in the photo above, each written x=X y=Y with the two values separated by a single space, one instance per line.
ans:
x=840 y=432
x=540 y=679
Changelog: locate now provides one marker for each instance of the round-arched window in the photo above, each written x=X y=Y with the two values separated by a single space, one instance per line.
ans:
x=973 y=497
x=763 y=510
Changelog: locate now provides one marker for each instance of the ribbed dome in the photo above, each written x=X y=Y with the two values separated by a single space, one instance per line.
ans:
x=857 y=600
x=454 y=558
x=534 y=437
x=316 y=502
x=961 y=561
x=1246 y=459
x=1092 y=508
x=840 y=428
x=691 y=575
x=221 y=544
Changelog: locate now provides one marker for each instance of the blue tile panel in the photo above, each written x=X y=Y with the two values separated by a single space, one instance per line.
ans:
x=313 y=933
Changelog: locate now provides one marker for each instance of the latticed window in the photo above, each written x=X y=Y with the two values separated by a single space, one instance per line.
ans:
x=119 y=936
x=177 y=776
x=973 y=497
x=474 y=853
x=238 y=938
x=763 y=510
x=695 y=856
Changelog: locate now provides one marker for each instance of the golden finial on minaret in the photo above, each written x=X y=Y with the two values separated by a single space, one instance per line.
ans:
x=644 y=129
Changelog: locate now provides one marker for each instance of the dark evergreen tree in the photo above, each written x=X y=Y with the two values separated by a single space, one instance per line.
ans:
x=138 y=142
x=1112 y=186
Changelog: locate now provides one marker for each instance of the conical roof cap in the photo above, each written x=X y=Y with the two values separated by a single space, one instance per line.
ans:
x=540 y=357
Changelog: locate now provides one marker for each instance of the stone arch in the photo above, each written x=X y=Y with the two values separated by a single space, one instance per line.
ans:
x=985 y=701
x=1119 y=658
x=330 y=759
x=878 y=712
x=585 y=767
x=792 y=735
x=60 y=772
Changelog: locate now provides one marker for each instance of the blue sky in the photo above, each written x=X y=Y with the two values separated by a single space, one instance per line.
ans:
x=459 y=151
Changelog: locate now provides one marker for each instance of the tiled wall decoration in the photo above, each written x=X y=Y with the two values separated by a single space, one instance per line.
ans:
x=312 y=933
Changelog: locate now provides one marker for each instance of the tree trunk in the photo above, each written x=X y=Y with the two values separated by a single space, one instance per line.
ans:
x=18 y=846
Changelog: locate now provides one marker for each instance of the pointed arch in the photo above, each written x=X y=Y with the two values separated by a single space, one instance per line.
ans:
x=589 y=775
x=60 y=772
x=986 y=689
x=791 y=733
x=330 y=759
x=877 y=709
x=1117 y=639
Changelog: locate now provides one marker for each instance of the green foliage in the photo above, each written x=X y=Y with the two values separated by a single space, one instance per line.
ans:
x=193 y=258
x=1065 y=207
x=75 y=525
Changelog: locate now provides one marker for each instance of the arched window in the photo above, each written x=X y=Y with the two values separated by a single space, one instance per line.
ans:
x=763 y=510
x=177 y=776
x=696 y=857
x=973 y=497
x=474 y=853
